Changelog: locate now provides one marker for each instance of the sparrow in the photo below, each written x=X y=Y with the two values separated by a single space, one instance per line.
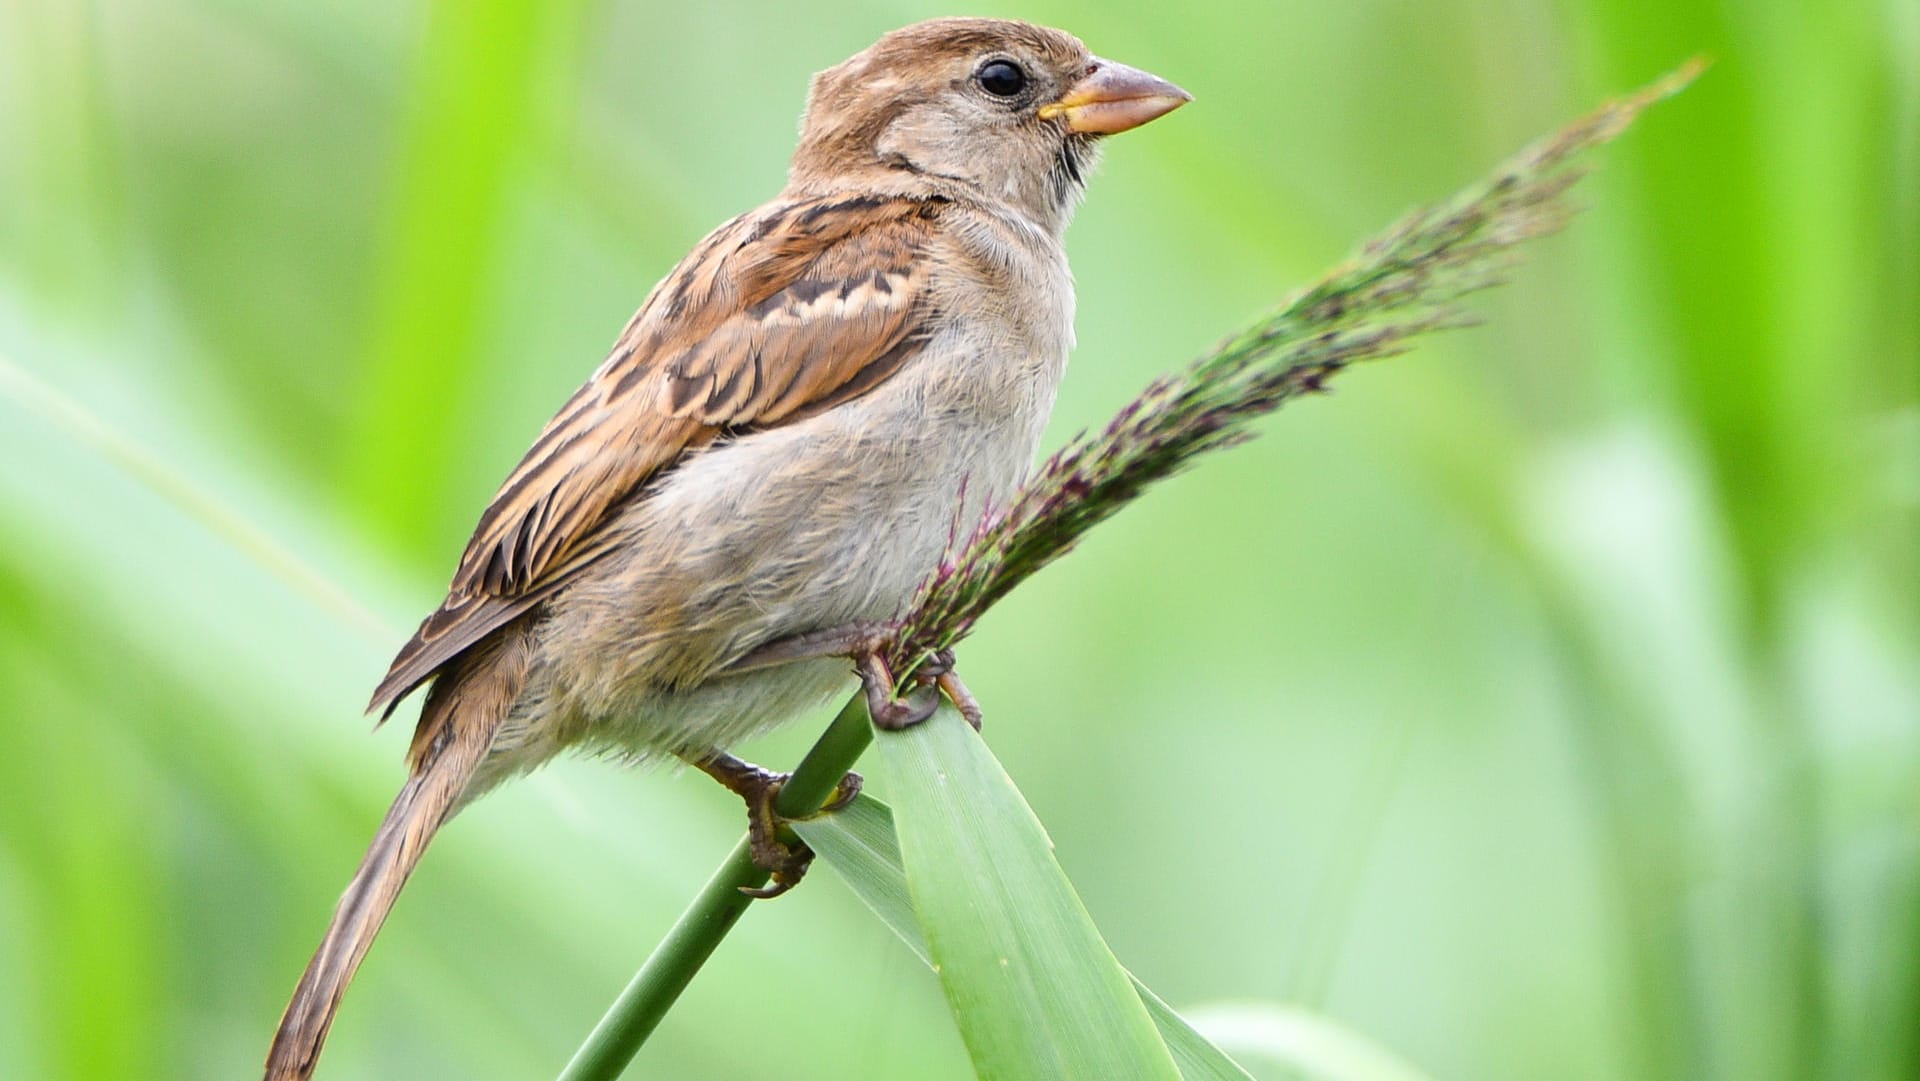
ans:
x=771 y=459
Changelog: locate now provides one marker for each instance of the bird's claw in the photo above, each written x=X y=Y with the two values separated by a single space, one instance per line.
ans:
x=893 y=712
x=867 y=643
x=784 y=858
x=785 y=862
x=962 y=699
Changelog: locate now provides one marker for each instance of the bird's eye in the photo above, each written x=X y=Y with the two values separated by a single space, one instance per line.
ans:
x=1001 y=78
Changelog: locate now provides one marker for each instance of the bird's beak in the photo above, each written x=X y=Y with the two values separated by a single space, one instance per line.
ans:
x=1114 y=98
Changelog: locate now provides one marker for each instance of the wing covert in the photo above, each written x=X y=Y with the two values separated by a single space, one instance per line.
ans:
x=774 y=317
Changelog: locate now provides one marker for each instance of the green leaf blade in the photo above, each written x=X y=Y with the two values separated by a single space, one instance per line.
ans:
x=859 y=843
x=1032 y=985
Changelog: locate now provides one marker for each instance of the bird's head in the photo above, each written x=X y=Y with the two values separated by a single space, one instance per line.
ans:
x=1011 y=110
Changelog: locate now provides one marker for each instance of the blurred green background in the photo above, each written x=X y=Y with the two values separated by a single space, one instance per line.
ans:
x=1544 y=704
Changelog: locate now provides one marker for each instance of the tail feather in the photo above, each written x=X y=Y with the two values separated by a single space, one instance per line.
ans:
x=468 y=703
x=425 y=802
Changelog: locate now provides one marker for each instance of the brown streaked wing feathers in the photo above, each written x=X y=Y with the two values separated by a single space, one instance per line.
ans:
x=774 y=317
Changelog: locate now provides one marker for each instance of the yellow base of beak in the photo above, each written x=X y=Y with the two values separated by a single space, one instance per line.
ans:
x=1114 y=98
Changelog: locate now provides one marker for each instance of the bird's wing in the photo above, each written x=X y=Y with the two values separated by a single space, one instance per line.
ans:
x=775 y=316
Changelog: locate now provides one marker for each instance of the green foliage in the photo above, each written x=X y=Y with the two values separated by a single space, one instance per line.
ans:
x=859 y=843
x=1540 y=707
x=1034 y=989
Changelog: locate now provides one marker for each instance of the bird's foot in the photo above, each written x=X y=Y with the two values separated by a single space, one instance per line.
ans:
x=962 y=699
x=847 y=640
x=892 y=711
x=866 y=643
x=775 y=848
x=884 y=705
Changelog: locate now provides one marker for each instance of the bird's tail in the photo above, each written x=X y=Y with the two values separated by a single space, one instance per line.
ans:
x=424 y=803
x=464 y=709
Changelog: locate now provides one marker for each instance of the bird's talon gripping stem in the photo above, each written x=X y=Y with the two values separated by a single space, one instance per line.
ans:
x=962 y=699
x=894 y=712
x=844 y=794
x=786 y=864
x=937 y=669
x=785 y=861
x=888 y=711
x=867 y=644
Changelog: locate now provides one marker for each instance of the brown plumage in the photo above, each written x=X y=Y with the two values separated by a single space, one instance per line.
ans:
x=781 y=441
x=458 y=720
x=775 y=316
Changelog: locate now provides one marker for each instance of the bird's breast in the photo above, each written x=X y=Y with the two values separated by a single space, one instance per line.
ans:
x=816 y=523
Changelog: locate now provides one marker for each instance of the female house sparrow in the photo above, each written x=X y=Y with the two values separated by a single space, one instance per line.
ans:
x=778 y=445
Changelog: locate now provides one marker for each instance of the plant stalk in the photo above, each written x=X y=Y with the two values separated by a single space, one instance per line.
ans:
x=719 y=905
